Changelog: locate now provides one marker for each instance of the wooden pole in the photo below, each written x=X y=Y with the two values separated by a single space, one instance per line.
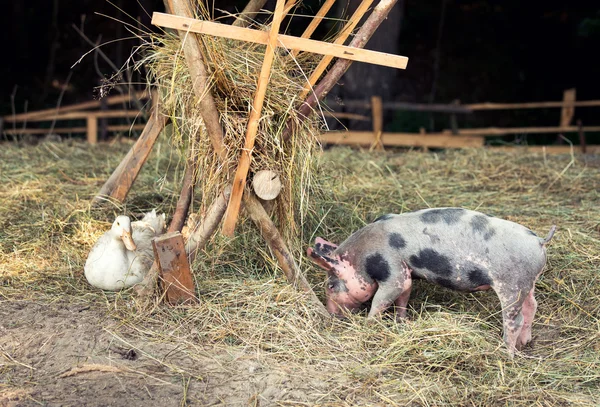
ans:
x=568 y=110
x=241 y=174
x=119 y=183
x=346 y=31
x=200 y=235
x=92 y=129
x=244 y=19
x=581 y=133
x=269 y=232
x=185 y=198
x=200 y=78
x=377 y=112
x=315 y=23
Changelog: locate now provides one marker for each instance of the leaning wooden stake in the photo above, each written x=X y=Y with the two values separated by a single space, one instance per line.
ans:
x=244 y=19
x=200 y=78
x=239 y=182
x=119 y=183
x=185 y=198
x=269 y=232
x=200 y=235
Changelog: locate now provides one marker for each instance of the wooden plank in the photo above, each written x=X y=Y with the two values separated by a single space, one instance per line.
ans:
x=56 y=130
x=413 y=107
x=123 y=177
x=567 y=112
x=498 y=131
x=365 y=138
x=107 y=114
x=174 y=268
x=92 y=129
x=530 y=105
x=344 y=115
x=377 y=111
x=553 y=149
x=111 y=100
x=287 y=41
x=346 y=31
x=314 y=23
x=71 y=130
x=239 y=181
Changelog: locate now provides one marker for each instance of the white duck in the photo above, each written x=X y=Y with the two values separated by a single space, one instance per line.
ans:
x=123 y=255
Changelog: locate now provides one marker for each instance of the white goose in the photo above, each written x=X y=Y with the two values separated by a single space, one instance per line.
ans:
x=123 y=255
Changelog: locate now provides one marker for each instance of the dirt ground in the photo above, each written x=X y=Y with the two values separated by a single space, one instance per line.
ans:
x=65 y=354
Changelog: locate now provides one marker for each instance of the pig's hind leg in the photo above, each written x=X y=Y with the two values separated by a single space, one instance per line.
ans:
x=528 y=311
x=514 y=318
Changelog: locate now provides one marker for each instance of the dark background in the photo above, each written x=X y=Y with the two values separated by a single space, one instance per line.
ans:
x=473 y=51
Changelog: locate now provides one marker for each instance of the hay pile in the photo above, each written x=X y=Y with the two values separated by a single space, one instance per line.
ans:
x=234 y=67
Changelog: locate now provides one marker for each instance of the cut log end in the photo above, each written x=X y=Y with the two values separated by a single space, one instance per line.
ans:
x=266 y=184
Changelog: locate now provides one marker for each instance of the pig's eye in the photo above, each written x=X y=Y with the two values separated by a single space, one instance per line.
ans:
x=330 y=286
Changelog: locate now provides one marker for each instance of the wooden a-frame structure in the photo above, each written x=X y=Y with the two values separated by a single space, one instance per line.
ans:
x=174 y=267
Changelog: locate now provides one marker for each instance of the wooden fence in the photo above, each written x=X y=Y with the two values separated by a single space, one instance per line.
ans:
x=91 y=113
x=456 y=137
x=93 y=116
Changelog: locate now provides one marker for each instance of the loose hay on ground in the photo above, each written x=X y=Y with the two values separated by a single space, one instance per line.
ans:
x=449 y=352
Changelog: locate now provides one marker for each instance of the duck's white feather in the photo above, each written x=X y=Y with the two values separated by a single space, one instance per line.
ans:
x=111 y=266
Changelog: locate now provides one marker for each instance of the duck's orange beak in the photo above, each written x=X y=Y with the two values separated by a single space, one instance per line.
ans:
x=128 y=241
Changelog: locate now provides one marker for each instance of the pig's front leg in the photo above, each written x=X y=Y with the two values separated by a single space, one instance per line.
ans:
x=396 y=289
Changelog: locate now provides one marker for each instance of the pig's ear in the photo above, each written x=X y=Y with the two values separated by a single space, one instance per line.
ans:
x=323 y=247
x=320 y=259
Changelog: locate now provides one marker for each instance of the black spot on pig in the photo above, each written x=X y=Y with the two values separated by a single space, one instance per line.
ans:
x=478 y=277
x=446 y=282
x=397 y=241
x=324 y=249
x=377 y=267
x=531 y=232
x=432 y=260
x=383 y=217
x=448 y=215
x=481 y=225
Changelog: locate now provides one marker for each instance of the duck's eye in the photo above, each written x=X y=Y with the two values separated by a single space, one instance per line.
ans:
x=118 y=224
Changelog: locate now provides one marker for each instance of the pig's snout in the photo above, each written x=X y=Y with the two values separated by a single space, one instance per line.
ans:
x=334 y=309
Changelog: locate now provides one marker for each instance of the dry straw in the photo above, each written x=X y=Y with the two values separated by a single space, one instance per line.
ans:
x=449 y=352
x=234 y=67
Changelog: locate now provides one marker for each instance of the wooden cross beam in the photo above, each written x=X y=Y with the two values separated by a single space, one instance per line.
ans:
x=286 y=41
x=272 y=39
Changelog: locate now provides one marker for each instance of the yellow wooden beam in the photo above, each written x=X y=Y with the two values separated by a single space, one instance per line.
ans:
x=287 y=41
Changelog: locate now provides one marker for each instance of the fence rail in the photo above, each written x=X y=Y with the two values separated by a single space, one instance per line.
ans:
x=456 y=137
x=96 y=112
x=77 y=112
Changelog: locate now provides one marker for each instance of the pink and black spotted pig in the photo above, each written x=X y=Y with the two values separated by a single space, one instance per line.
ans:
x=456 y=248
